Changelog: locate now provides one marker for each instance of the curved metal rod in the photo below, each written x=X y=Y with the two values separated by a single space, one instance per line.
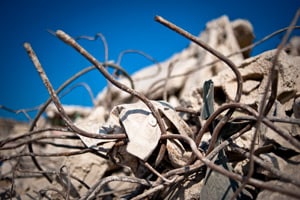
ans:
x=70 y=41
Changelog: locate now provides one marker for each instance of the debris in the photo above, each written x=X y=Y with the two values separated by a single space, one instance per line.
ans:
x=84 y=159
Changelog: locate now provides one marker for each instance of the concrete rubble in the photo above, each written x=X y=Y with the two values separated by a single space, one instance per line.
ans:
x=179 y=82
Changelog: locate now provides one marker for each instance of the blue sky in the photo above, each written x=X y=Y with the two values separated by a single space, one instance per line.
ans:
x=125 y=24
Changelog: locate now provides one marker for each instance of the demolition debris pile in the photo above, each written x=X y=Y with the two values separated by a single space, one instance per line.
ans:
x=200 y=125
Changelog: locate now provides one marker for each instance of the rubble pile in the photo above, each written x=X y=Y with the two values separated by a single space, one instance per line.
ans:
x=186 y=90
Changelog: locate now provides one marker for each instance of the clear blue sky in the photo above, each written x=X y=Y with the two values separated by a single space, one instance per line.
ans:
x=125 y=24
